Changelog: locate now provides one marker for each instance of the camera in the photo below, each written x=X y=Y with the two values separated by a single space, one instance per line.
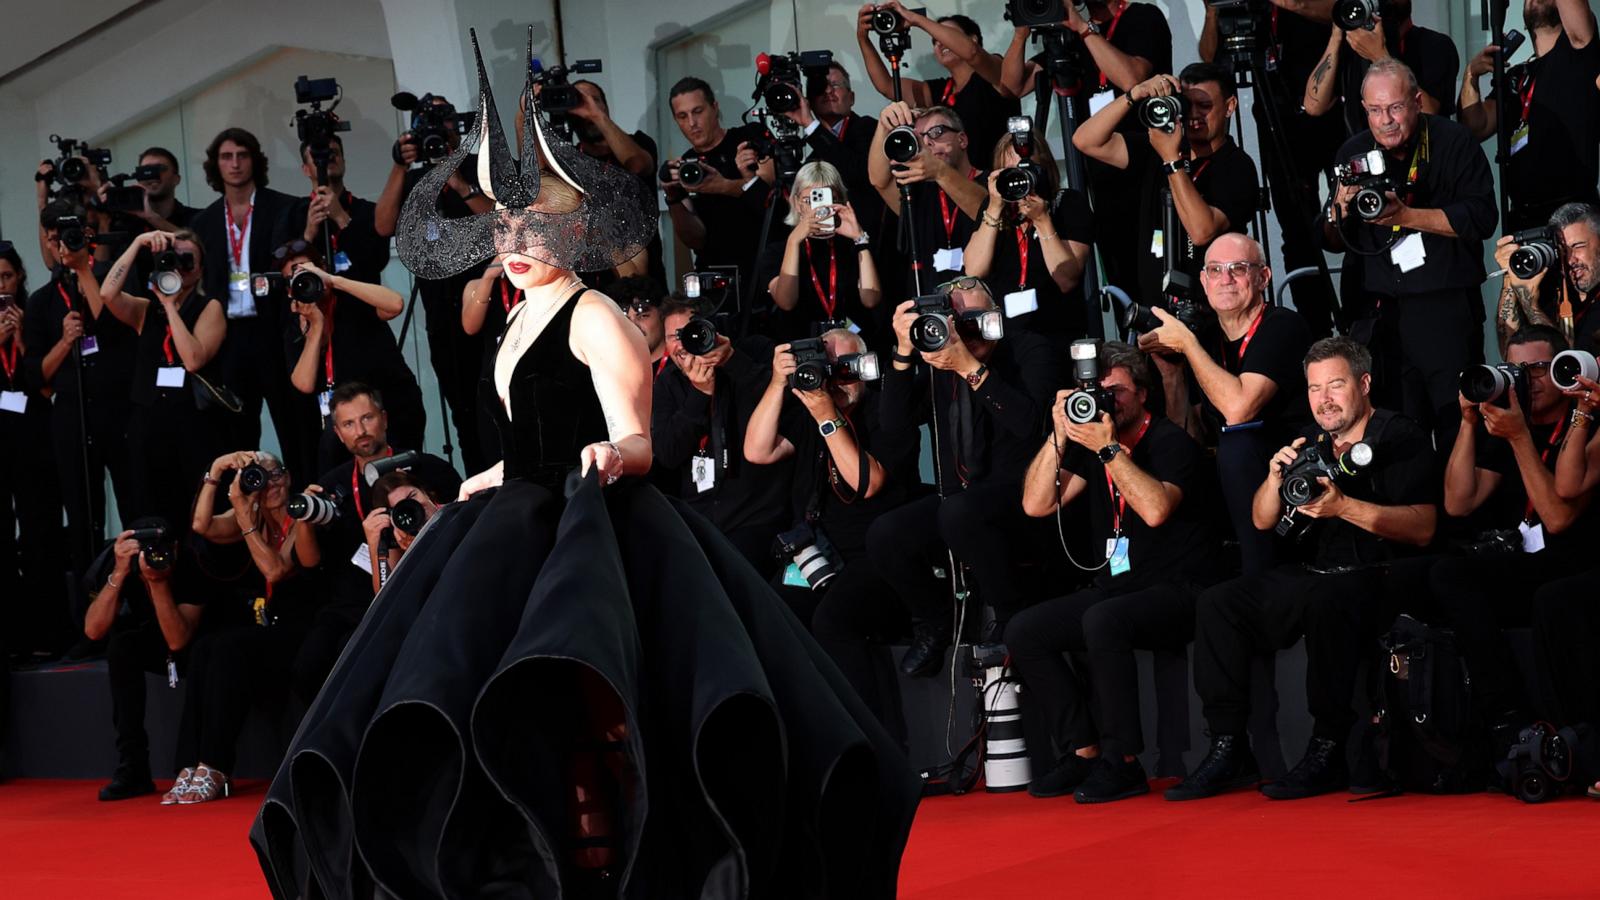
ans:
x=699 y=284
x=1538 y=765
x=76 y=158
x=1036 y=13
x=316 y=127
x=432 y=123
x=780 y=77
x=808 y=548
x=1537 y=250
x=930 y=331
x=154 y=546
x=901 y=144
x=409 y=516
x=556 y=95
x=1350 y=15
x=1138 y=317
x=1300 y=485
x=169 y=269
x=1494 y=383
x=1162 y=113
x=301 y=287
x=1369 y=172
x=691 y=172
x=70 y=231
x=1023 y=178
x=398 y=462
x=1569 y=364
x=252 y=478
x=312 y=509
x=1090 y=400
x=1244 y=28
x=813 y=370
x=698 y=336
x=1006 y=766
x=121 y=197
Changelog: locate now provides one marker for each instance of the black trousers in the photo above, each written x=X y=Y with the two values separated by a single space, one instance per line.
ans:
x=253 y=366
x=1257 y=614
x=229 y=672
x=1108 y=624
x=1566 y=639
x=170 y=448
x=1426 y=340
x=1242 y=458
x=458 y=359
x=855 y=626
x=33 y=548
x=130 y=654
x=83 y=493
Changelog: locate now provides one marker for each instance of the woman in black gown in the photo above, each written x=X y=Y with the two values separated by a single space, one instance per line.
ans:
x=569 y=691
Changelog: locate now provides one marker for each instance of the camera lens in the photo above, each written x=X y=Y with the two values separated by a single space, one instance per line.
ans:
x=306 y=287
x=252 y=478
x=168 y=282
x=1082 y=407
x=1369 y=203
x=1569 y=364
x=74 y=238
x=691 y=173
x=1350 y=15
x=1298 y=490
x=74 y=169
x=1161 y=113
x=1485 y=384
x=901 y=144
x=408 y=516
x=810 y=377
x=1015 y=183
x=699 y=336
x=886 y=21
x=312 y=509
x=782 y=98
x=930 y=333
x=434 y=146
x=1531 y=259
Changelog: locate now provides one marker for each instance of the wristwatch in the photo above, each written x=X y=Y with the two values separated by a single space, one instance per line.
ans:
x=1174 y=167
x=1090 y=27
x=977 y=375
x=864 y=241
x=1109 y=452
x=830 y=426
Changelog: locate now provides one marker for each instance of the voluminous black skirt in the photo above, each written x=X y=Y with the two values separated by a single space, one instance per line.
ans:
x=535 y=672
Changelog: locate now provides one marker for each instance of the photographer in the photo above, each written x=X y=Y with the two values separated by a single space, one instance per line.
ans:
x=720 y=217
x=1350 y=54
x=974 y=90
x=185 y=330
x=1153 y=516
x=844 y=140
x=641 y=298
x=1502 y=472
x=1211 y=179
x=455 y=355
x=947 y=194
x=698 y=420
x=992 y=396
x=343 y=338
x=384 y=537
x=1554 y=116
x=148 y=611
x=81 y=361
x=1420 y=259
x=1331 y=598
x=1032 y=251
x=1247 y=367
x=824 y=271
x=240 y=229
x=1570 y=306
x=239 y=665
x=162 y=211
x=333 y=217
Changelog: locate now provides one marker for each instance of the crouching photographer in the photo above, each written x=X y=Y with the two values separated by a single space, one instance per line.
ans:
x=408 y=504
x=1356 y=490
x=1144 y=483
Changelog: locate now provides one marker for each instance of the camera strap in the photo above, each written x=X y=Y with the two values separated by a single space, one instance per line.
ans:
x=1119 y=503
x=830 y=299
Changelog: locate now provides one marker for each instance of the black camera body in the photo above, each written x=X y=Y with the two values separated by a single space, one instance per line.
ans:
x=1138 y=317
x=169 y=268
x=155 y=546
x=691 y=171
x=813 y=370
x=931 y=331
x=252 y=478
x=1300 y=485
x=1538 y=250
x=313 y=509
x=1369 y=173
x=1024 y=178
x=785 y=76
x=1165 y=113
x=1539 y=765
x=301 y=287
x=1036 y=13
x=1244 y=29
x=72 y=167
x=431 y=125
x=556 y=93
x=121 y=197
x=316 y=127
x=1090 y=400
x=1495 y=383
x=1351 y=15
x=409 y=516
x=698 y=336
x=71 y=233
x=811 y=552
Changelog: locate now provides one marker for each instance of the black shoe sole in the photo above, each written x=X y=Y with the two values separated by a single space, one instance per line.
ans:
x=1177 y=795
x=1052 y=794
x=1299 y=793
x=141 y=791
x=1130 y=792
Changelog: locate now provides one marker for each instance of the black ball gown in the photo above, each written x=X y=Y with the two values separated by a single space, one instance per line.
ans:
x=578 y=697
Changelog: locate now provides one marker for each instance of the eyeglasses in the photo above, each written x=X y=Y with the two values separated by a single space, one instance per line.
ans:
x=632 y=310
x=1395 y=110
x=277 y=475
x=939 y=131
x=965 y=283
x=1234 y=270
x=1536 y=368
x=296 y=247
x=835 y=85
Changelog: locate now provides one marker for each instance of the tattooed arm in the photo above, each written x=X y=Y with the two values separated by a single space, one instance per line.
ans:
x=1322 y=88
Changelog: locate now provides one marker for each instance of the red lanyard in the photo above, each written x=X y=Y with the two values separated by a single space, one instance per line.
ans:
x=355 y=487
x=844 y=125
x=949 y=215
x=1527 y=99
x=327 y=358
x=1555 y=441
x=1200 y=170
x=166 y=345
x=9 y=362
x=66 y=299
x=1121 y=502
x=1250 y=335
x=236 y=234
x=661 y=365
x=1111 y=32
x=829 y=300
x=948 y=98
x=505 y=296
x=1023 y=248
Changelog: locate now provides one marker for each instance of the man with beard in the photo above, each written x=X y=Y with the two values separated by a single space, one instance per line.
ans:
x=1350 y=54
x=1571 y=307
x=1554 y=116
x=1351 y=525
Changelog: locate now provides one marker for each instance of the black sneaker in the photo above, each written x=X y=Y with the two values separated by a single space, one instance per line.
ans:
x=1228 y=765
x=130 y=780
x=1113 y=779
x=926 y=656
x=1063 y=779
x=1321 y=770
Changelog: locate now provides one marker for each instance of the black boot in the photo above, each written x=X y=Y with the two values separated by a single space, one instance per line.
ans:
x=1228 y=765
x=1064 y=778
x=1322 y=770
x=1113 y=779
x=131 y=779
x=926 y=656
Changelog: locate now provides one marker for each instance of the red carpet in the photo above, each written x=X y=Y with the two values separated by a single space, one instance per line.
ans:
x=56 y=840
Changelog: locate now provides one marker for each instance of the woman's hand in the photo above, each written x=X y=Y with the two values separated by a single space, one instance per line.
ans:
x=849 y=226
x=605 y=456
x=231 y=461
x=489 y=478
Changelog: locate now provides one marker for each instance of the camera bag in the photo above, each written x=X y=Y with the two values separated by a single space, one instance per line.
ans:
x=1427 y=736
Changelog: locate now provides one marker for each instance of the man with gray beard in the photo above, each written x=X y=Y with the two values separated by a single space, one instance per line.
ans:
x=1570 y=307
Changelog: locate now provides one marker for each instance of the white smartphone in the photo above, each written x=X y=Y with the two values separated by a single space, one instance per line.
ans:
x=822 y=197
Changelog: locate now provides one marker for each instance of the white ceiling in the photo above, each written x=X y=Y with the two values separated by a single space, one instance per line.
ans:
x=45 y=27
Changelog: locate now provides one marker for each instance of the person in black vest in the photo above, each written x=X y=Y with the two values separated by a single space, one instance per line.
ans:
x=180 y=332
x=1420 y=261
x=1353 y=526
x=974 y=87
x=1554 y=115
x=1571 y=305
x=1349 y=54
x=947 y=190
x=1149 y=504
x=238 y=233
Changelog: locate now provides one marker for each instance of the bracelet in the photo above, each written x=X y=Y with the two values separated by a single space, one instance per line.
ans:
x=1578 y=416
x=612 y=479
x=250 y=531
x=210 y=480
x=113 y=582
x=991 y=221
x=1045 y=237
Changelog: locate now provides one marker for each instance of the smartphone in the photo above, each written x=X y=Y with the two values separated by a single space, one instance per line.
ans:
x=822 y=197
x=1514 y=40
x=7 y=301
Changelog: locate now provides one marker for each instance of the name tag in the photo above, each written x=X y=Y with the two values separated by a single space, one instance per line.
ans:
x=1100 y=100
x=362 y=559
x=1519 y=139
x=1158 y=244
x=170 y=377
x=1020 y=303
x=241 y=303
x=947 y=260
x=341 y=261
x=88 y=346
x=703 y=471
x=1409 y=254
x=13 y=402
x=323 y=399
x=1532 y=537
x=1118 y=554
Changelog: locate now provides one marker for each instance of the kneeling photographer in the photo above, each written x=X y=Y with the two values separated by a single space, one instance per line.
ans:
x=1153 y=516
x=988 y=394
x=1356 y=490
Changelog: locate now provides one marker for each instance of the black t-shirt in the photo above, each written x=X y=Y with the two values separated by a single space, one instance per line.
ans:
x=364 y=350
x=939 y=224
x=834 y=265
x=339 y=539
x=1059 y=314
x=817 y=479
x=1402 y=474
x=1276 y=351
x=1561 y=161
x=1226 y=179
x=1508 y=505
x=107 y=372
x=154 y=352
x=733 y=224
x=1182 y=549
x=1456 y=178
x=359 y=253
x=982 y=109
x=1431 y=55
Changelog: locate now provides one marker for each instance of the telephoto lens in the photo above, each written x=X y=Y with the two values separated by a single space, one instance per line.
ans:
x=408 y=516
x=699 y=336
x=1569 y=364
x=781 y=97
x=1162 y=113
x=313 y=509
x=901 y=144
x=252 y=478
x=307 y=287
x=1536 y=252
x=1494 y=384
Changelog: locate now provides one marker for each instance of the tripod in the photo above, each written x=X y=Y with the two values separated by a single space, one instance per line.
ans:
x=1494 y=12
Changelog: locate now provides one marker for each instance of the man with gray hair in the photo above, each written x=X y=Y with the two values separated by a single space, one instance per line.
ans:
x=1569 y=304
x=1415 y=250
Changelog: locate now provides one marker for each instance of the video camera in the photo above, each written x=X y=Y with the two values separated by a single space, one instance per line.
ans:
x=557 y=95
x=931 y=331
x=1025 y=177
x=781 y=78
x=316 y=126
x=432 y=123
x=1369 y=172
x=1164 y=113
x=1090 y=400
x=813 y=370
x=1036 y=13
x=73 y=165
x=1351 y=15
x=1244 y=30
x=1569 y=364
x=1300 y=485
x=301 y=287
x=1538 y=249
x=155 y=546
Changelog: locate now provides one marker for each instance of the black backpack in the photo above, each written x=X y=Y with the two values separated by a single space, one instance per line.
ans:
x=1428 y=737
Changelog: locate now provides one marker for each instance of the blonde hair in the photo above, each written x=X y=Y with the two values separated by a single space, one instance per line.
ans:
x=814 y=175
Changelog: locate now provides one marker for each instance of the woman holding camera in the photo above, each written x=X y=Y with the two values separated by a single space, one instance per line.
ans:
x=180 y=332
x=1032 y=250
x=825 y=272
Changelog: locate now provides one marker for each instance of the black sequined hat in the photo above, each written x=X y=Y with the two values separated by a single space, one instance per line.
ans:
x=556 y=205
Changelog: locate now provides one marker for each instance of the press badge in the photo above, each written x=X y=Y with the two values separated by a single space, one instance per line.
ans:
x=1100 y=100
x=1117 y=552
x=362 y=559
x=88 y=346
x=170 y=377
x=1532 y=537
x=1409 y=254
x=13 y=402
x=947 y=260
x=1020 y=303
x=1158 y=244
x=1519 y=138
x=323 y=399
x=341 y=261
x=241 y=303
x=704 y=472
x=172 y=673
x=793 y=578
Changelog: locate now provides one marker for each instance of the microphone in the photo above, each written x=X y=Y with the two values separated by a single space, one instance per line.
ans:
x=763 y=64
